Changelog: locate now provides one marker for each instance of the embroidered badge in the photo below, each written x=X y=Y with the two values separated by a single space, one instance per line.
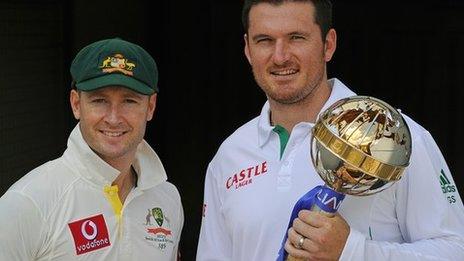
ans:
x=89 y=234
x=159 y=233
x=117 y=63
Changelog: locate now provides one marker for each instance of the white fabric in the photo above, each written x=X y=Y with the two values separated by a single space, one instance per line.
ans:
x=36 y=210
x=412 y=220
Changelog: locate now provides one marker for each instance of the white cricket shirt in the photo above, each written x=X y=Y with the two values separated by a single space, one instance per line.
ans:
x=67 y=209
x=250 y=192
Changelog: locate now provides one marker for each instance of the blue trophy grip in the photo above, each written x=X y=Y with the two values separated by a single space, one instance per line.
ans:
x=320 y=198
x=327 y=200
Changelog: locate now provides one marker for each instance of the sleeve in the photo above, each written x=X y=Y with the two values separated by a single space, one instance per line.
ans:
x=22 y=227
x=214 y=242
x=429 y=210
x=180 y=221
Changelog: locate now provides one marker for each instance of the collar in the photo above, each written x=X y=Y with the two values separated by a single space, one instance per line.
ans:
x=339 y=91
x=150 y=170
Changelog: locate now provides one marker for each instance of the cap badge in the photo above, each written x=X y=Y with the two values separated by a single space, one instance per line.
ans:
x=117 y=63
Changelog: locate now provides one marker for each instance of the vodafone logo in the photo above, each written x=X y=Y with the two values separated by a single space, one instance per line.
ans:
x=92 y=226
x=89 y=234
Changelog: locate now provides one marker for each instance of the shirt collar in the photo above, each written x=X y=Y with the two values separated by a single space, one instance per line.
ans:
x=90 y=166
x=339 y=91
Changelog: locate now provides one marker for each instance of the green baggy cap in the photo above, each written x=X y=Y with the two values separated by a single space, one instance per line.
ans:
x=115 y=62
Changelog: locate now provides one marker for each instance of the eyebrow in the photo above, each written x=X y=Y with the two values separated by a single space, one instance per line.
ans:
x=299 y=33
x=259 y=36
x=133 y=96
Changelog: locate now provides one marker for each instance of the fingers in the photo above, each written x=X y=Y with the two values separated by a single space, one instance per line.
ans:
x=317 y=227
x=304 y=228
x=295 y=252
x=313 y=218
x=324 y=237
x=294 y=238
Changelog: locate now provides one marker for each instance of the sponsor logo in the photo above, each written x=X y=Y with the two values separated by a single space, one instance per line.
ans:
x=447 y=187
x=89 y=234
x=245 y=176
x=159 y=233
x=117 y=63
x=329 y=200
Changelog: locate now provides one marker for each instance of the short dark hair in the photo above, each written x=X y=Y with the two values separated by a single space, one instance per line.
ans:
x=323 y=12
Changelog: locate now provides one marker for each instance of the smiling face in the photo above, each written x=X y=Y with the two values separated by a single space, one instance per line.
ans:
x=113 y=120
x=286 y=50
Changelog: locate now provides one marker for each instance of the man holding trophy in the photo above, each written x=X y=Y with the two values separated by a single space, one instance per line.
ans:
x=263 y=169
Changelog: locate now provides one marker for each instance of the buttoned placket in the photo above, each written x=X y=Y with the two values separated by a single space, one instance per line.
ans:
x=125 y=249
x=297 y=136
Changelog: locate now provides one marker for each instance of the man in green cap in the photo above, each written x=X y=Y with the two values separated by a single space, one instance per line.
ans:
x=107 y=197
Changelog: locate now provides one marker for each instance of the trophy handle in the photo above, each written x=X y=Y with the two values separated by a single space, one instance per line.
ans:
x=291 y=258
x=316 y=208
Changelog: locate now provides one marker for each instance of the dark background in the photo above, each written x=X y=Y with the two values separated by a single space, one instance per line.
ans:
x=406 y=53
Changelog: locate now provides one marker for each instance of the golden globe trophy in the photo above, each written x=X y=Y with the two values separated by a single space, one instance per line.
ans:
x=360 y=146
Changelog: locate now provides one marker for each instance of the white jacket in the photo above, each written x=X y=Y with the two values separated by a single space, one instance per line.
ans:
x=250 y=193
x=67 y=210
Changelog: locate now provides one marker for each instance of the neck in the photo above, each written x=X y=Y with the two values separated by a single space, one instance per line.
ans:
x=127 y=177
x=125 y=182
x=306 y=110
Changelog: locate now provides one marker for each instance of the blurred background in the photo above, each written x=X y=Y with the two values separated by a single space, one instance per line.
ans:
x=407 y=53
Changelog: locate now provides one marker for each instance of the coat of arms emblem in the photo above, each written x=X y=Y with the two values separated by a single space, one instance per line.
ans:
x=158 y=215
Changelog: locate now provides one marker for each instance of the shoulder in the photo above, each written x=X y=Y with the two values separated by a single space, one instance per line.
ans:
x=423 y=142
x=170 y=189
x=166 y=196
x=426 y=162
x=45 y=185
x=423 y=145
x=166 y=191
x=417 y=131
x=245 y=136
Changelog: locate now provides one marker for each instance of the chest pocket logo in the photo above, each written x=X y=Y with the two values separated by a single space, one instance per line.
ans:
x=245 y=176
x=89 y=234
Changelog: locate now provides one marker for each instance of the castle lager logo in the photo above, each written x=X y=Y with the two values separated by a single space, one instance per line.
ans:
x=245 y=176
x=89 y=234
x=117 y=63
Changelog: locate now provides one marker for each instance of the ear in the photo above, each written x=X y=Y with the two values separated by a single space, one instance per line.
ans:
x=74 y=100
x=330 y=44
x=151 y=106
x=247 y=48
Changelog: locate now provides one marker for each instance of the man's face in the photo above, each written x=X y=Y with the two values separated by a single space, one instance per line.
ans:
x=286 y=51
x=113 y=120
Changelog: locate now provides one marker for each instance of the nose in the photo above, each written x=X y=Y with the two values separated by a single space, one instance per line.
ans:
x=113 y=115
x=281 y=52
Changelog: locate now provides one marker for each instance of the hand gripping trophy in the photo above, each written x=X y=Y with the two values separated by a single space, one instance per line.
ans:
x=360 y=146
